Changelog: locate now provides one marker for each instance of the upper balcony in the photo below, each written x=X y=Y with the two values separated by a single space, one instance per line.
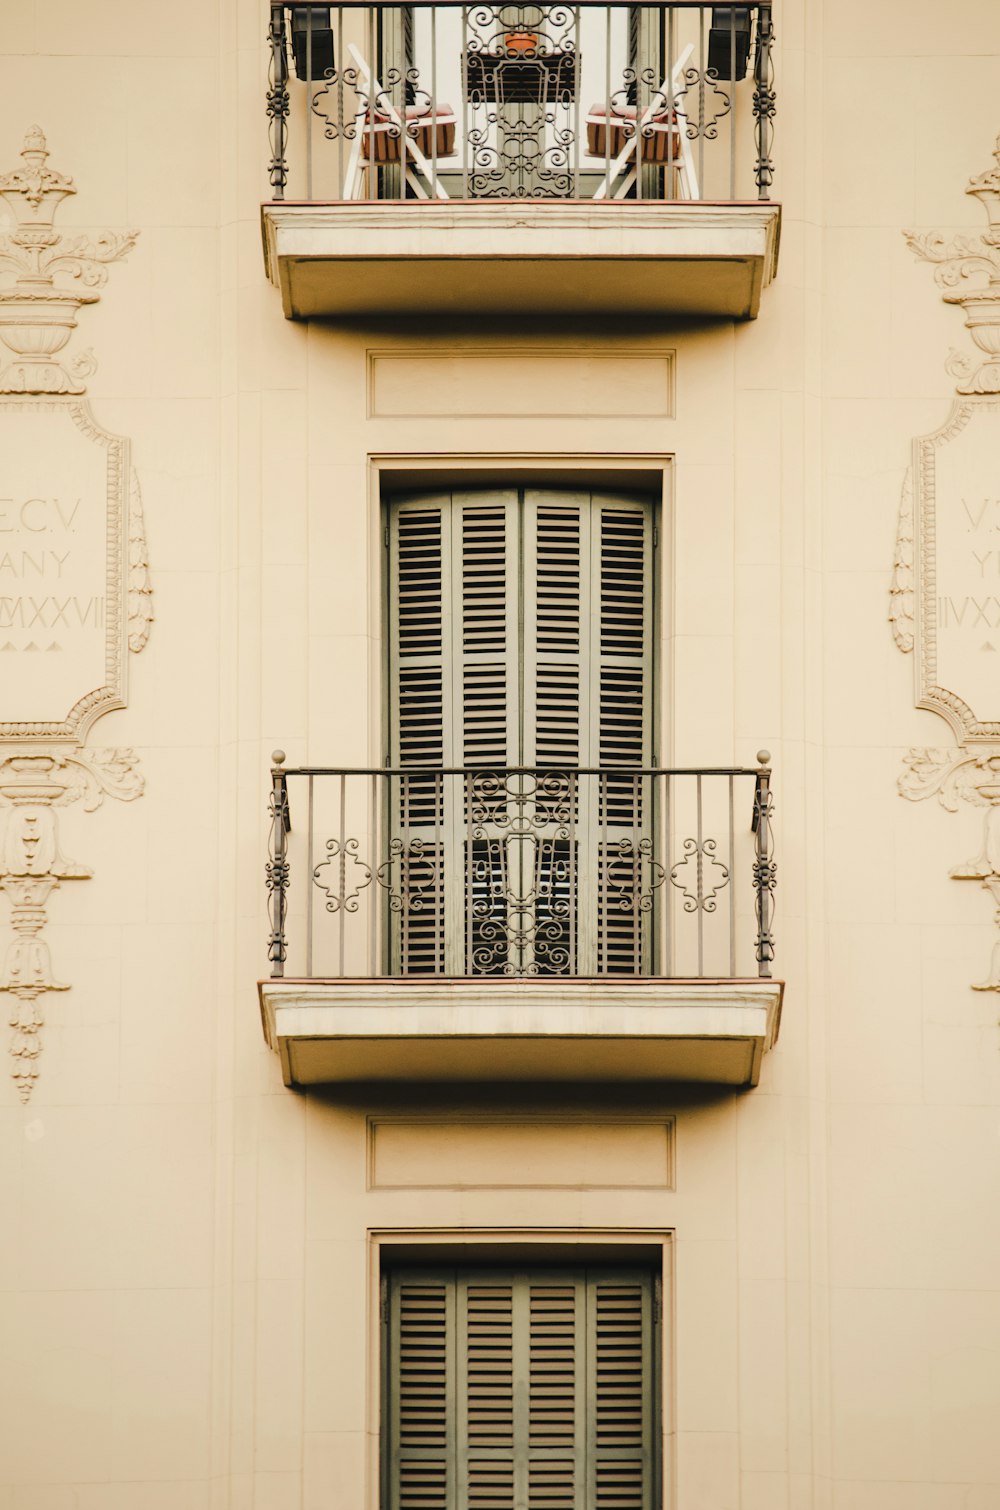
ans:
x=521 y=924
x=521 y=159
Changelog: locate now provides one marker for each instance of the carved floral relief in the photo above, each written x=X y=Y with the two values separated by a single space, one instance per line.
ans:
x=945 y=590
x=75 y=595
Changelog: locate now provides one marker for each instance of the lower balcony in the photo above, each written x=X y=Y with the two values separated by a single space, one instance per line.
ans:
x=521 y=924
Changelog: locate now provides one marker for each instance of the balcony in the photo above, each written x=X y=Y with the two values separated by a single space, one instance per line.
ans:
x=516 y=159
x=521 y=924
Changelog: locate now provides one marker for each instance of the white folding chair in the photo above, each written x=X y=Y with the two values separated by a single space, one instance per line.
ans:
x=662 y=119
x=382 y=118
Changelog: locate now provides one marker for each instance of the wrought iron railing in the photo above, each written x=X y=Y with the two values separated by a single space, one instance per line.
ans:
x=521 y=872
x=514 y=101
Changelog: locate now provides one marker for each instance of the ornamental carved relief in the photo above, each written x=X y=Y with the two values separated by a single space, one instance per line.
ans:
x=945 y=589
x=75 y=595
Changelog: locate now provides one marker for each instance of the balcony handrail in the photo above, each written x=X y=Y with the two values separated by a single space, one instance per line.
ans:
x=549 y=767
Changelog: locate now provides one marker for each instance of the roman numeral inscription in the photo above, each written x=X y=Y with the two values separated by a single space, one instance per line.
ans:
x=958 y=564
x=51 y=613
x=971 y=560
x=969 y=613
x=40 y=564
x=63 y=573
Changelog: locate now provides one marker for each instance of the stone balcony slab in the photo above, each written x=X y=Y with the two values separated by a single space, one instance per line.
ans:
x=492 y=1029
x=556 y=257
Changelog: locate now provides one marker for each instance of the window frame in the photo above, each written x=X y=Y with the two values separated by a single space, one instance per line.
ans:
x=602 y=479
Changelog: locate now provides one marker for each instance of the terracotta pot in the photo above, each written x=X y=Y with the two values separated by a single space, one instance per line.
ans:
x=384 y=146
x=520 y=42
x=657 y=146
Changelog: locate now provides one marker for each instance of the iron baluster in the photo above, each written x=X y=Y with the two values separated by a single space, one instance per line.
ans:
x=309 y=871
x=732 y=890
x=276 y=869
x=376 y=105
x=764 y=102
x=339 y=76
x=734 y=94
x=277 y=102
x=640 y=79
x=670 y=185
x=342 y=911
x=700 y=872
x=405 y=873
x=309 y=113
x=607 y=96
x=666 y=964
x=604 y=884
x=373 y=829
x=636 y=877
x=434 y=106
x=764 y=870
x=573 y=853
x=469 y=876
x=466 y=126
x=702 y=67
x=439 y=929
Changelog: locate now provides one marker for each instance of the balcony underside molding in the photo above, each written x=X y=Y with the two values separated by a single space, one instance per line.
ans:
x=708 y=1032
x=514 y=258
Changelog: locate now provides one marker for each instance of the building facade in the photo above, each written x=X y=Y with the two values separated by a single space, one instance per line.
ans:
x=491 y=557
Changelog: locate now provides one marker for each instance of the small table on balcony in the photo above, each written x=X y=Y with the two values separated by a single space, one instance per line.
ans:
x=516 y=79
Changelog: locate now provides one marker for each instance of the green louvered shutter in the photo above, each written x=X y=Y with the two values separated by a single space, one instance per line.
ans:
x=521 y=634
x=587 y=676
x=521 y=1390
x=421 y=632
x=420 y=1363
x=621 y=658
x=453 y=690
x=622 y=1403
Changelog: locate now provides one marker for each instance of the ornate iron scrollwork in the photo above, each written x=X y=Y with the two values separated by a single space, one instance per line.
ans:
x=341 y=853
x=702 y=856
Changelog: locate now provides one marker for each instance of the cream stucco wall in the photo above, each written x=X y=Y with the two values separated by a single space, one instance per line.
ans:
x=186 y=1265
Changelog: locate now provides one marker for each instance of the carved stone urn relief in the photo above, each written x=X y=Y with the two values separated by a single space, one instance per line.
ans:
x=945 y=594
x=75 y=597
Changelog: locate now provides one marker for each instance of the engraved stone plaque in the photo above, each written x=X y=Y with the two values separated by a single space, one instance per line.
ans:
x=63 y=528
x=957 y=534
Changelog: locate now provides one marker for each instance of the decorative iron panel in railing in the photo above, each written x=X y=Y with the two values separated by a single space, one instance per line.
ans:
x=521 y=872
x=514 y=101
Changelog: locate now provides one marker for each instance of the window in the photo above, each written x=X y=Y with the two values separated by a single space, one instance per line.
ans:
x=531 y=1389
x=520 y=635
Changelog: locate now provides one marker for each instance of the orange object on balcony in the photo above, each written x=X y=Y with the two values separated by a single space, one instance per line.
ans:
x=655 y=146
x=382 y=134
x=521 y=42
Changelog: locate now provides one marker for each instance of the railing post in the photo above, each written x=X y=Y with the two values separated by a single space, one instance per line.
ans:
x=276 y=869
x=277 y=102
x=764 y=869
x=764 y=101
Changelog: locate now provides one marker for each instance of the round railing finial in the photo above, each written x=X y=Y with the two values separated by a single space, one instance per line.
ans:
x=763 y=757
x=277 y=757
